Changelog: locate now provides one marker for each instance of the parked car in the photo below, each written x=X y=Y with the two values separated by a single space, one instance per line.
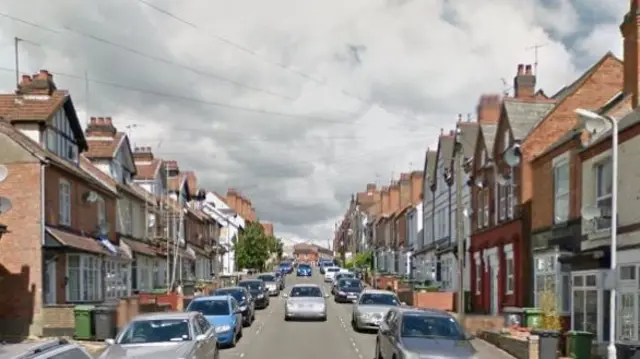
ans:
x=413 y=333
x=281 y=279
x=305 y=301
x=270 y=283
x=329 y=273
x=164 y=335
x=258 y=291
x=371 y=307
x=304 y=270
x=337 y=277
x=286 y=267
x=223 y=312
x=348 y=290
x=51 y=349
x=245 y=302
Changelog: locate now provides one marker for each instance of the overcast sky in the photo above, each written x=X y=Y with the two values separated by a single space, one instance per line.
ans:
x=298 y=103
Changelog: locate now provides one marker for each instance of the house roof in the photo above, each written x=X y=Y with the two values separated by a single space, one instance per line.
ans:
x=489 y=136
x=45 y=155
x=431 y=166
x=468 y=137
x=175 y=183
x=109 y=182
x=630 y=119
x=446 y=147
x=148 y=172
x=192 y=182
x=523 y=116
x=104 y=149
x=569 y=89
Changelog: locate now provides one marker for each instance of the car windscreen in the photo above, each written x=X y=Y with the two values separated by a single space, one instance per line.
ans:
x=235 y=293
x=304 y=266
x=305 y=292
x=333 y=269
x=349 y=283
x=251 y=285
x=424 y=326
x=379 y=299
x=210 y=307
x=156 y=331
x=267 y=278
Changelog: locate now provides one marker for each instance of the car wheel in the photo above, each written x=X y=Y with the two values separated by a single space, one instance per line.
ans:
x=234 y=341
x=240 y=333
x=378 y=353
x=354 y=325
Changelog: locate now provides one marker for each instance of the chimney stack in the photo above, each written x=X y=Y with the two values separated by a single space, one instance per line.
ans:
x=488 y=109
x=101 y=127
x=40 y=83
x=630 y=28
x=524 y=83
x=142 y=154
x=371 y=187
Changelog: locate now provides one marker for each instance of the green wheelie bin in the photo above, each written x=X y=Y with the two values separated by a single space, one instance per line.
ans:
x=84 y=321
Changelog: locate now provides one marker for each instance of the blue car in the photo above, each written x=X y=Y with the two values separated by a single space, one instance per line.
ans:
x=304 y=270
x=224 y=314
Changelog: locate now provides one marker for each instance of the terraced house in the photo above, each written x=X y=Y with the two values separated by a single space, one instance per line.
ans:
x=425 y=254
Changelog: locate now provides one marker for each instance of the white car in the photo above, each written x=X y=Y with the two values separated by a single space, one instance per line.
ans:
x=330 y=273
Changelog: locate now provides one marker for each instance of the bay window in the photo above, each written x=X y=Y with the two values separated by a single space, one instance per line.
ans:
x=485 y=202
x=510 y=267
x=502 y=194
x=551 y=276
x=478 y=278
x=561 y=191
x=590 y=310
x=446 y=273
x=604 y=183
x=480 y=206
x=510 y=197
x=117 y=279
x=143 y=273
x=84 y=278
x=628 y=302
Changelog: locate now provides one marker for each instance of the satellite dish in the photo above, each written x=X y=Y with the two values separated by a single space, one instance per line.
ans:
x=3 y=173
x=590 y=212
x=151 y=221
x=5 y=205
x=90 y=197
x=513 y=155
x=593 y=122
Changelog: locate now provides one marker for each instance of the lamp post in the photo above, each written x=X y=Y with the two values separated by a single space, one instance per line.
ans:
x=595 y=123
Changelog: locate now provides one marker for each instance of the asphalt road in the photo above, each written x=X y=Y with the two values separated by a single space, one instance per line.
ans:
x=271 y=337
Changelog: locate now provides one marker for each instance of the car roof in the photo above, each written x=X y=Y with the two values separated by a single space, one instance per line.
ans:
x=424 y=311
x=377 y=291
x=31 y=349
x=210 y=297
x=305 y=285
x=230 y=288
x=250 y=280
x=267 y=273
x=165 y=315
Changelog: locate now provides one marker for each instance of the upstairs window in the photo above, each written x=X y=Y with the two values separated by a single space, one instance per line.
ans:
x=485 y=202
x=604 y=189
x=64 y=203
x=561 y=192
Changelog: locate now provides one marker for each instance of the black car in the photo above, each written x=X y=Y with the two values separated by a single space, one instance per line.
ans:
x=348 y=290
x=258 y=291
x=245 y=301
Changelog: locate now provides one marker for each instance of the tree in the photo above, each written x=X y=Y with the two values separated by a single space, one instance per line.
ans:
x=252 y=247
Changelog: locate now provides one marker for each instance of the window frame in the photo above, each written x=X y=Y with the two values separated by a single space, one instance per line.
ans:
x=547 y=266
x=602 y=322
x=478 y=276
x=485 y=202
x=87 y=265
x=561 y=164
x=502 y=201
x=509 y=269
x=64 y=202
x=602 y=224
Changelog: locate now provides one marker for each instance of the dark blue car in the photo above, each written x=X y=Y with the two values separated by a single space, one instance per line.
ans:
x=285 y=268
x=304 y=270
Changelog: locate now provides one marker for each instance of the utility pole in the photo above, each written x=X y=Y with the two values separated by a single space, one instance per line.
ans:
x=459 y=226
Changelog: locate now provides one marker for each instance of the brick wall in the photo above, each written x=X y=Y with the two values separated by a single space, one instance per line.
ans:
x=520 y=348
x=58 y=320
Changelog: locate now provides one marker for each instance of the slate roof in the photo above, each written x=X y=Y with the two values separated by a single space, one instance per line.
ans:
x=468 y=137
x=431 y=166
x=524 y=116
x=446 y=147
x=489 y=135
x=148 y=172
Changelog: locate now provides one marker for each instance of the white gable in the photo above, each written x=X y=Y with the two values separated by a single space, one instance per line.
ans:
x=215 y=200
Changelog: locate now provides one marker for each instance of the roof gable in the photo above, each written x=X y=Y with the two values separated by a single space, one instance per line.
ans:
x=124 y=154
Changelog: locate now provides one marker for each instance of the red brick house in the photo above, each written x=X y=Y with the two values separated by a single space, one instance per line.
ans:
x=55 y=243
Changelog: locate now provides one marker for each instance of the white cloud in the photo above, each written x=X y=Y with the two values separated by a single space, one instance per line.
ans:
x=425 y=60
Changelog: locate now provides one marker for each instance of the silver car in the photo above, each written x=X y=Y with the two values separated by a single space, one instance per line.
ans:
x=371 y=307
x=165 y=335
x=418 y=333
x=50 y=349
x=271 y=283
x=305 y=301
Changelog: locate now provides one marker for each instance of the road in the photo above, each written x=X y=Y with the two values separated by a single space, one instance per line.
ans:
x=271 y=337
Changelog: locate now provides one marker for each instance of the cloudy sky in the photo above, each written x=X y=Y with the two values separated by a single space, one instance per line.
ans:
x=299 y=103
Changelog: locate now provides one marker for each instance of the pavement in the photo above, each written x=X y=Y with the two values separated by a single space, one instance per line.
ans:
x=271 y=337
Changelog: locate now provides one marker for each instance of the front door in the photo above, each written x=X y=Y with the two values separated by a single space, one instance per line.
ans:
x=493 y=282
x=49 y=284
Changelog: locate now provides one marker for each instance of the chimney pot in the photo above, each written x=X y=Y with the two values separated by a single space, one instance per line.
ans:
x=404 y=176
x=520 y=69
x=441 y=131
x=107 y=121
x=371 y=187
x=468 y=117
x=26 y=78
x=527 y=70
x=452 y=132
x=459 y=117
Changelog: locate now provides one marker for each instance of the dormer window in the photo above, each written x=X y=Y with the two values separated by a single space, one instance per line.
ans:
x=60 y=138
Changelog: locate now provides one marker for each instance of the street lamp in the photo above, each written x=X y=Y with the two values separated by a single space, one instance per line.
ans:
x=595 y=123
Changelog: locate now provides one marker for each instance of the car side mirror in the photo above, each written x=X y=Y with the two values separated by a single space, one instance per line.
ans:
x=201 y=337
x=285 y=295
x=109 y=341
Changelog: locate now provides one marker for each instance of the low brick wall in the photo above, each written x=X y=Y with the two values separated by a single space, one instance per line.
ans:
x=520 y=348
x=434 y=300
x=58 y=320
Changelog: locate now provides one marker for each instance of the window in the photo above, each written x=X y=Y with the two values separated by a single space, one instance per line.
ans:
x=61 y=139
x=102 y=211
x=590 y=305
x=561 y=192
x=628 y=302
x=510 y=197
x=478 y=273
x=502 y=194
x=84 y=278
x=446 y=276
x=144 y=273
x=550 y=276
x=510 y=281
x=485 y=202
x=117 y=283
x=64 y=205
x=480 y=212
x=604 y=184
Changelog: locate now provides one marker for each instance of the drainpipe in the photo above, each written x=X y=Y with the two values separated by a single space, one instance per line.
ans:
x=43 y=166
